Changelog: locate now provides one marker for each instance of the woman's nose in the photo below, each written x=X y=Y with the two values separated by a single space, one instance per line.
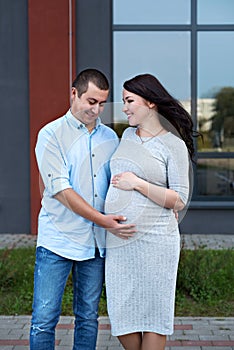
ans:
x=124 y=109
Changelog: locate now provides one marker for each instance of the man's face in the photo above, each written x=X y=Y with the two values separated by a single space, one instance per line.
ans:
x=89 y=105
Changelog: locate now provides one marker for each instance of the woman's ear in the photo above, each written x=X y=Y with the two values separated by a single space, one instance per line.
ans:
x=151 y=105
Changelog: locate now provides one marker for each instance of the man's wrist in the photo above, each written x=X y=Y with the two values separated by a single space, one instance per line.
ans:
x=100 y=220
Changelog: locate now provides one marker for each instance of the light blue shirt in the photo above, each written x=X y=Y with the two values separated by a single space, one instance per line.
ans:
x=68 y=156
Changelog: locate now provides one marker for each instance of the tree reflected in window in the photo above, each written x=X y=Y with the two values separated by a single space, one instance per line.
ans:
x=223 y=120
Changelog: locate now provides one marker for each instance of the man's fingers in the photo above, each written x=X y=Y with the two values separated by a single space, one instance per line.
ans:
x=128 y=231
x=126 y=234
x=122 y=236
x=121 y=218
x=128 y=228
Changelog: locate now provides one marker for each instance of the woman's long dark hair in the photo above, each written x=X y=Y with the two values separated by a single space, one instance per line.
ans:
x=148 y=87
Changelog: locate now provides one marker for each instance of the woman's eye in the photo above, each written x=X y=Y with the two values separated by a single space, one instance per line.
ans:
x=127 y=101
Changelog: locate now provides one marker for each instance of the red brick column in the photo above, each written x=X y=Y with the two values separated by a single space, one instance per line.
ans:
x=51 y=70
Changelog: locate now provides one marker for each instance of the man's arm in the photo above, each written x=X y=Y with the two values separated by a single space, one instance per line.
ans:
x=55 y=176
x=78 y=205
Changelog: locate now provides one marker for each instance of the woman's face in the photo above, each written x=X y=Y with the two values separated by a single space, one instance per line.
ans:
x=136 y=108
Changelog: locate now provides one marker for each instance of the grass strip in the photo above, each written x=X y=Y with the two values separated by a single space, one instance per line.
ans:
x=205 y=283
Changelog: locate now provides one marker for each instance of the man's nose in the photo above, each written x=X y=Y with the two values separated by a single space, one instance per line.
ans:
x=96 y=109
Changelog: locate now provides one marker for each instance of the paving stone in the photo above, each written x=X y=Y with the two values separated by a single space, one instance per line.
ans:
x=214 y=337
x=216 y=348
x=186 y=337
x=183 y=348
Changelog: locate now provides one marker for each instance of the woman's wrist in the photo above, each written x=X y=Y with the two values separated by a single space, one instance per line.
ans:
x=139 y=184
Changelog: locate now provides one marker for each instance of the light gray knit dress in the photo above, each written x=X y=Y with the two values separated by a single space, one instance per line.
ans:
x=141 y=271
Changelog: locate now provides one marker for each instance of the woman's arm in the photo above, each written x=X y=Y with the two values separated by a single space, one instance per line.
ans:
x=164 y=197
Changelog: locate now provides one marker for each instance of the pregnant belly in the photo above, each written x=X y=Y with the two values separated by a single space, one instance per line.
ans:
x=137 y=208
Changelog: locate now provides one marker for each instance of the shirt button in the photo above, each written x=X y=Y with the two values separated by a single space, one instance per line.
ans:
x=95 y=195
x=49 y=175
x=93 y=155
x=94 y=175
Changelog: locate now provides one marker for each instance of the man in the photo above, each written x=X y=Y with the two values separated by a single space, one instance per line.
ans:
x=73 y=155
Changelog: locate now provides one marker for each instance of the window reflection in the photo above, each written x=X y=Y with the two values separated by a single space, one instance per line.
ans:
x=215 y=104
x=151 y=12
x=216 y=121
x=163 y=54
x=215 y=62
x=215 y=177
x=215 y=12
x=166 y=54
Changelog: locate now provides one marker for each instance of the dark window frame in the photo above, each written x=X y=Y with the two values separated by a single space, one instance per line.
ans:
x=194 y=29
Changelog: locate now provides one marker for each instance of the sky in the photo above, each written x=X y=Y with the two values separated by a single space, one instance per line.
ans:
x=167 y=54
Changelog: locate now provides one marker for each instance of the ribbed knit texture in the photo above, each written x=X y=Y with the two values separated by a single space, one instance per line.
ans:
x=141 y=272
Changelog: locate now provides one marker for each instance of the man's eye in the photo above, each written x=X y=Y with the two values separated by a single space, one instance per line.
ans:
x=129 y=101
x=92 y=102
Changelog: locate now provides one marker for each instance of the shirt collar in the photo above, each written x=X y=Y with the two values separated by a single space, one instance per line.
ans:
x=77 y=123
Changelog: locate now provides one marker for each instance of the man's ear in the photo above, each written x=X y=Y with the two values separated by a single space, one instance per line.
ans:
x=73 y=93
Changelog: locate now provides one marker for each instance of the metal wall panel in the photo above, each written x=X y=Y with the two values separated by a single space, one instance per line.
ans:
x=14 y=116
x=94 y=35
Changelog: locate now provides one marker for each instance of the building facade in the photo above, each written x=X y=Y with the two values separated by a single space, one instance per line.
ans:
x=187 y=44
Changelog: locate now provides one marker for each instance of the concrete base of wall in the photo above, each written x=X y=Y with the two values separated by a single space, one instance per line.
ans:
x=209 y=218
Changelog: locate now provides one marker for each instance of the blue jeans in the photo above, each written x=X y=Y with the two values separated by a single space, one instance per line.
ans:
x=50 y=277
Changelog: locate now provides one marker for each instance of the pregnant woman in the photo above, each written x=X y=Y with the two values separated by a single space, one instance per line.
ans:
x=150 y=184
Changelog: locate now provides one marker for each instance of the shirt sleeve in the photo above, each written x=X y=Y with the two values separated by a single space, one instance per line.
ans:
x=52 y=163
x=178 y=170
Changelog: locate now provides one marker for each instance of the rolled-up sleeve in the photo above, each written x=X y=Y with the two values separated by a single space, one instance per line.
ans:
x=52 y=163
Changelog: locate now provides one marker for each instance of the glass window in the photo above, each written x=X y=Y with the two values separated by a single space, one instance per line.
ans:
x=151 y=12
x=215 y=177
x=215 y=102
x=163 y=54
x=215 y=11
x=166 y=54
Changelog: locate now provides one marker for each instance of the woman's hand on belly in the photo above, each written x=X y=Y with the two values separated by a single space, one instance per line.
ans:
x=126 y=181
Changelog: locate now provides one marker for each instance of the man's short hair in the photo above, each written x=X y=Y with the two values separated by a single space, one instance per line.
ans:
x=90 y=75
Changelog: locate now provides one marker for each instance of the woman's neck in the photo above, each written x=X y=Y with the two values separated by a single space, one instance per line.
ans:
x=149 y=130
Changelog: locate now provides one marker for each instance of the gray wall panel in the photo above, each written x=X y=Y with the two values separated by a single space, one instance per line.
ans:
x=14 y=114
x=94 y=35
x=208 y=221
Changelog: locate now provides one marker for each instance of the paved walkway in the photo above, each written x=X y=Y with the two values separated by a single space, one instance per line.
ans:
x=191 y=333
x=188 y=241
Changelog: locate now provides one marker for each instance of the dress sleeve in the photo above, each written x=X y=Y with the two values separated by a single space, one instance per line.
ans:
x=126 y=133
x=178 y=170
x=52 y=163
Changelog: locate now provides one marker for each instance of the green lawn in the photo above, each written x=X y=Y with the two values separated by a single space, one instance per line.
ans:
x=204 y=287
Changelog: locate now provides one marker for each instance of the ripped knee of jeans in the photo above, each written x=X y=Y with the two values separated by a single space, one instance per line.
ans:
x=36 y=329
